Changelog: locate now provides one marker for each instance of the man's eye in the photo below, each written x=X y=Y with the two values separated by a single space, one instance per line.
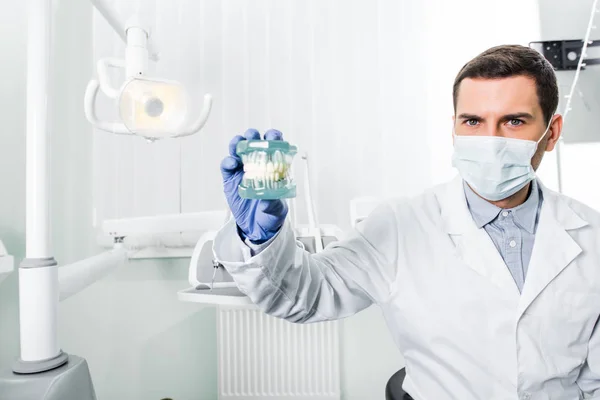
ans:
x=471 y=122
x=516 y=122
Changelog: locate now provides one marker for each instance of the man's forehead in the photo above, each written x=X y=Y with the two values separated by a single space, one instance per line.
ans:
x=510 y=95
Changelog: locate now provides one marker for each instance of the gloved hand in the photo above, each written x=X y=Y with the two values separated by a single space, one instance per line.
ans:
x=257 y=220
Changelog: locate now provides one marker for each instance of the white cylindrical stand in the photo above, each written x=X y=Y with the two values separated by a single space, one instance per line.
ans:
x=38 y=305
x=38 y=60
x=38 y=275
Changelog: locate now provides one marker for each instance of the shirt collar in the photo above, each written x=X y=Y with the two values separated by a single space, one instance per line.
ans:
x=484 y=212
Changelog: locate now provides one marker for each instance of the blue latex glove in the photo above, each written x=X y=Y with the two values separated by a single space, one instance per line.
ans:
x=257 y=220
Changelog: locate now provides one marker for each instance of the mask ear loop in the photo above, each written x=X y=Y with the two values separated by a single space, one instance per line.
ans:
x=547 y=129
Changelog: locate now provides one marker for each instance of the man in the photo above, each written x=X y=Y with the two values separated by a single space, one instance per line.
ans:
x=490 y=284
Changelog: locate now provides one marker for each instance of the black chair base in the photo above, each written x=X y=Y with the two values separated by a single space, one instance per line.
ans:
x=393 y=389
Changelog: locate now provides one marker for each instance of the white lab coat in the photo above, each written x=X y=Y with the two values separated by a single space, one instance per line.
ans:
x=450 y=301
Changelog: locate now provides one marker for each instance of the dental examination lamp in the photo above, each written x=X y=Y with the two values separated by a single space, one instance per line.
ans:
x=148 y=107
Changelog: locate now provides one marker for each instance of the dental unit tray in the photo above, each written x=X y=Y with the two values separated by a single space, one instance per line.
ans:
x=267 y=166
x=224 y=290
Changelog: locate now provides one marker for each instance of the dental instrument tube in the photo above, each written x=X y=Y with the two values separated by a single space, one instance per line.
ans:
x=314 y=228
x=75 y=277
x=310 y=205
x=293 y=210
x=38 y=275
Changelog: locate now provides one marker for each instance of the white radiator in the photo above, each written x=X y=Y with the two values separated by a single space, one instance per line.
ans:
x=261 y=357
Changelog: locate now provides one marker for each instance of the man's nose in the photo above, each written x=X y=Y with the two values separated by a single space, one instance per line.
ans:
x=493 y=129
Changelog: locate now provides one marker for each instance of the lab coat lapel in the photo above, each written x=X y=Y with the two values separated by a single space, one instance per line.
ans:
x=553 y=249
x=473 y=244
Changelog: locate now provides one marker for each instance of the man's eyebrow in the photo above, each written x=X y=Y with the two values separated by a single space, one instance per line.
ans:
x=521 y=115
x=469 y=116
x=507 y=117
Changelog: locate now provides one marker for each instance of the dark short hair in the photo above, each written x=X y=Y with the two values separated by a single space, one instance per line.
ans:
x=514 y=60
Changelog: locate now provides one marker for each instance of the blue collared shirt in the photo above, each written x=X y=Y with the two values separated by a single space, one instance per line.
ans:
x=512 y=230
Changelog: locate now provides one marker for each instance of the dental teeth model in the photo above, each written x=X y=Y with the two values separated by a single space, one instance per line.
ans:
x=267 y=166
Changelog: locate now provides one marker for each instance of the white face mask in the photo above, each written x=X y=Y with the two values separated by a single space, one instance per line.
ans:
x=495 y=167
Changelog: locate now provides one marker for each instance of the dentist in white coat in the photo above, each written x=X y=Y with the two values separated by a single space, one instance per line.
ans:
x=490 y=283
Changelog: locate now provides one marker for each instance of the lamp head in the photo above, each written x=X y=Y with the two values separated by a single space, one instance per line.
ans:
x=153 y=108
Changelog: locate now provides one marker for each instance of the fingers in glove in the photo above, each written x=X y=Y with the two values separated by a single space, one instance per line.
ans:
x=230 y=166
x=273 y=214
x=252 y=134
x=273 y=134
x=233 y=145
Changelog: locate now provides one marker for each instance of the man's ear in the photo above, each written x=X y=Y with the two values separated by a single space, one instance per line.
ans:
x=554 y=131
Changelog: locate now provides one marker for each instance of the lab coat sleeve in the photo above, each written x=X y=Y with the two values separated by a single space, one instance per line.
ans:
x=589 y=377
x=288 y=282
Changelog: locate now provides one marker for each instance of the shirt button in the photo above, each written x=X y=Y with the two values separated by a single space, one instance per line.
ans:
x=505 y=213
x=512 y=243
